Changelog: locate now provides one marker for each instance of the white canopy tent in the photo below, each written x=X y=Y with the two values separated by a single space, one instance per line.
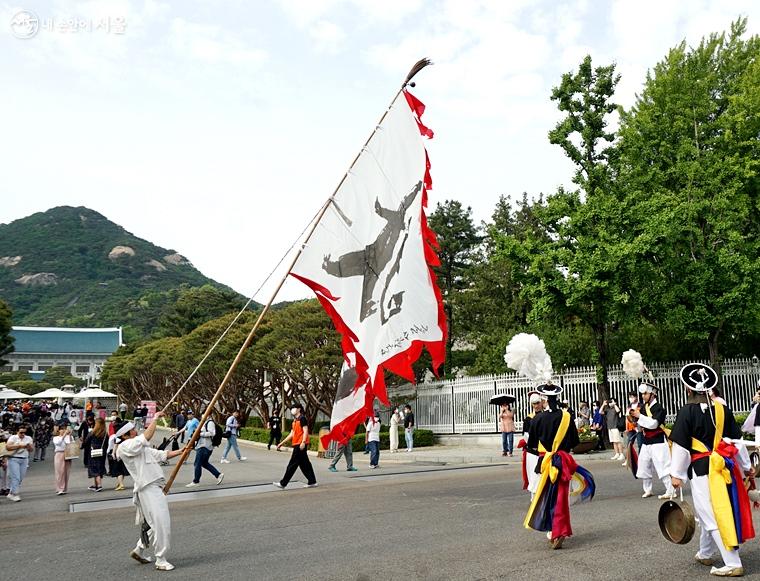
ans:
x=94 y=392
x=54 y=393
x=7 y=393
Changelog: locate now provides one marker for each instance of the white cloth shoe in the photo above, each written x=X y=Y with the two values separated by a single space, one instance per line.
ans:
x=242 y=458
x=192 y=484
x=646 y=495
x=224 y=461
x=220 y=478
x=727 y=571
x=667 y=496
x=164 y=565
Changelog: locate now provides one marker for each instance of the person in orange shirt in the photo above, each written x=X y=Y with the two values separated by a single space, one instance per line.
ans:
x=299 y=435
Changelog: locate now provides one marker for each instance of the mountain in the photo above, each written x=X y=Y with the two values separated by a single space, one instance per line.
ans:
x=74 y=267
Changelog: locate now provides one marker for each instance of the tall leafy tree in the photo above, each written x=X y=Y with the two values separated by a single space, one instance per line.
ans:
x=572 y=259
x=6 y=340
x=458 y=238
x=690 y=155
x=195 y=306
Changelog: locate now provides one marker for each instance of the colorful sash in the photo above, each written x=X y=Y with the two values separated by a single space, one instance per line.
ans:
x=728 y=496
x=550 y=508
x=633 y=455
x=523 y=443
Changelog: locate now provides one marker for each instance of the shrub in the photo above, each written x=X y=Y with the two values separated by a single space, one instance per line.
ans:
x=422 y=438
x=255 y=422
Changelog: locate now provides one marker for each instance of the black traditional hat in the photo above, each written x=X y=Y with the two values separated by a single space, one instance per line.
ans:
x=548 y=389
x=699 y=377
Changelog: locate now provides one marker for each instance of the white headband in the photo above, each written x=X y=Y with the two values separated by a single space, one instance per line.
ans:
x=128 y=427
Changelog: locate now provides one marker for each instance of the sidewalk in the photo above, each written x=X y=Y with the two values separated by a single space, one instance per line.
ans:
x=465 y=451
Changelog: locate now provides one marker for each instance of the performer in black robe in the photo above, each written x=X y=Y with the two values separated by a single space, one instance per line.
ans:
x=530 y=455
x=554 y=434
x=702 y=454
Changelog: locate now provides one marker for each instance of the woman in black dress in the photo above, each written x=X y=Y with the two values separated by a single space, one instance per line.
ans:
x=116 y=468
x=97 y=443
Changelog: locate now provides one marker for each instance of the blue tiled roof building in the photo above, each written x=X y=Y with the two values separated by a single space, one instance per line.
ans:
x=84 y=351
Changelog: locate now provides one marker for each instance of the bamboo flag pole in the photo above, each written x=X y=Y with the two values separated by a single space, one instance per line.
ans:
x=419 y=65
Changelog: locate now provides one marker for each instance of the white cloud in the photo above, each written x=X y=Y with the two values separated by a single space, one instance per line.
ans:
x=211 y=44
x=327 y=36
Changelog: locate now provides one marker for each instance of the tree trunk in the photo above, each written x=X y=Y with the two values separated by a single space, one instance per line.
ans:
x=449 y=338
x=712 y=344
x=600 y=338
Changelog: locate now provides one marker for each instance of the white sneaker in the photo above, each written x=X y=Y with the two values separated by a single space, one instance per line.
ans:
x=224 y=461
x=14 y=497
x=646 y=495
x=727 y=571
x=625 y=463
x=192 y=484
x=220 y=478
x=164 y=566
x=615 y=457
x=242 y=458
x=278 y=485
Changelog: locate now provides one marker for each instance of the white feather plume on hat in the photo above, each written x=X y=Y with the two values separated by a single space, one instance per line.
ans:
x=527 y=355
x=633 y=365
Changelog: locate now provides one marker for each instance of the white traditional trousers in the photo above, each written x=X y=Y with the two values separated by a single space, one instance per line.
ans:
x=531 y=460
x=654 y=457
x=709 y=537
x=154 y=508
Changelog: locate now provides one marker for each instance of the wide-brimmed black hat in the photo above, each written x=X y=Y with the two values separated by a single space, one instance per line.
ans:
x=698 y=377
x=549 y=389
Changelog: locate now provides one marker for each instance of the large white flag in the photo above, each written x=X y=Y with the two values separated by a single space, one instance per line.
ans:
x=369 y=260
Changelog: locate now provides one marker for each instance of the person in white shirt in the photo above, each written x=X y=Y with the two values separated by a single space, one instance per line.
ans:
x=203 y=451
x=143 y=463
x=395 y=421
x=61 y=438
x=373 y=440
x=231 y=432
x=20 y=444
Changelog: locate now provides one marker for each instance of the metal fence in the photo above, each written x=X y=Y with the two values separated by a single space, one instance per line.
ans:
x=460 y=406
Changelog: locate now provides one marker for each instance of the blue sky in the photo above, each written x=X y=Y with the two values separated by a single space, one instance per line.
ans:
x=219 y=128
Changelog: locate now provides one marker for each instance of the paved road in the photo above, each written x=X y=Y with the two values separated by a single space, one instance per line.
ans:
x=394 y=523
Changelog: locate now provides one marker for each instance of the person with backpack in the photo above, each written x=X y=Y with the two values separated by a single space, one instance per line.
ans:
x=210 y=438
x=231 y=432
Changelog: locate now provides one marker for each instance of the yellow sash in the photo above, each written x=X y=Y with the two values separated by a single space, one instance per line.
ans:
x=548 y=472
x=719 y=477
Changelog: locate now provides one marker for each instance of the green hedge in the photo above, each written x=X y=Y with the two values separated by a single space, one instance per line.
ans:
x=422 y=438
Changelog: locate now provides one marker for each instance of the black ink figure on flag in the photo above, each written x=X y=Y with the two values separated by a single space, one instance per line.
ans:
x=372 y=260
x=369 y=261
